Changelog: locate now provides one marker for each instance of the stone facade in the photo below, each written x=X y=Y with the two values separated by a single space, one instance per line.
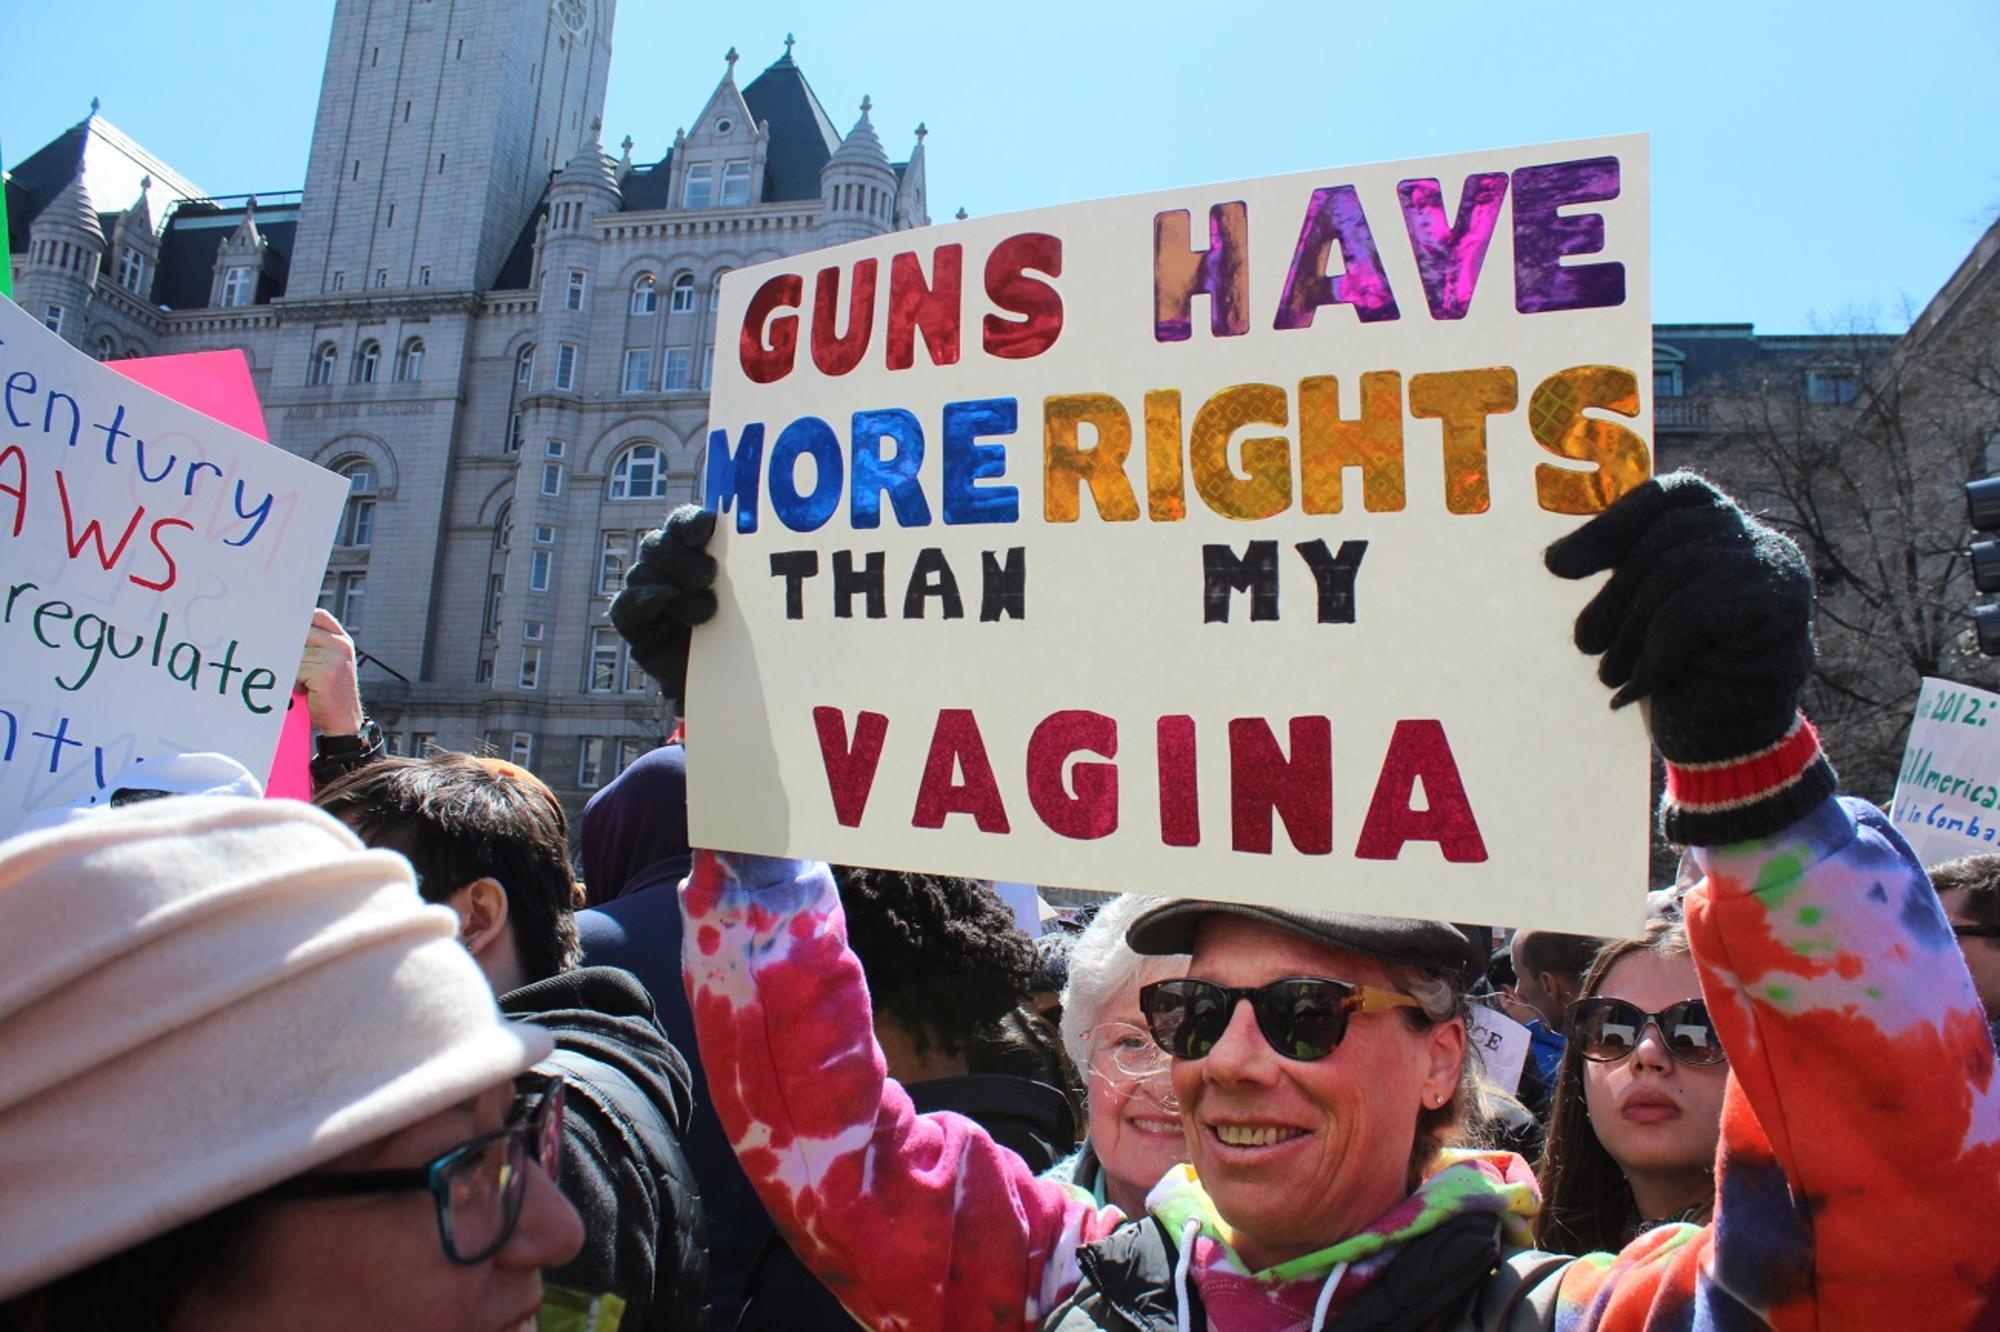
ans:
x=500 y=333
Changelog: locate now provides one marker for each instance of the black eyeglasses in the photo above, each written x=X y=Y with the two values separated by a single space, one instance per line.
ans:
x=479 y=1185
x=1976 y=931
x=1607 y=1030
x=1303 y=1017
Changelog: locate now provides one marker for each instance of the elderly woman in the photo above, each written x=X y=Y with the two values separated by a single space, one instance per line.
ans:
x=1320 y=1058
x=249 y=1080
x=1134 y=1133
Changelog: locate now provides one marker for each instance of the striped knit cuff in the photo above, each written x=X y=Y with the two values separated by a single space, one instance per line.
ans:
x=1744 y=799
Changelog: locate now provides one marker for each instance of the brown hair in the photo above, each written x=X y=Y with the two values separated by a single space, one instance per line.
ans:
x=1978 y=877
x=1587 y=1204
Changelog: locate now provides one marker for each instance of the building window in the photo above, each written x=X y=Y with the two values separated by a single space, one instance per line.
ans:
x=601 y=670
x=323 y=363
x=132 y=270
x=52 y=319
x=521 y=752
x=614 y=552
x=524 y=365
x=410 y=361
x=683 y=300
x=503 y=527
x=367 y=361
x=735 y=184
x=645 y=294
x=590 y=761
x=638 y=368
x=628 y=753
x=106 y=348
x=515 y=429
x=566 y=366
x=1832 y=388
x=424 y=276
x=357 y=520
x=707 y=367
x=236 y=287
x=676 y=378
x=545 y=534
x=552 y=478
x=381 y=277
x=573 y=293
x=1666 y=381
x=531 y=667
x=699 y=192
x=495 y=585
x=345 y=595
x=540 y=563
x=531 y=632
x=555 y=448
x=484 y=675
x=640 y=474
x=339 y=280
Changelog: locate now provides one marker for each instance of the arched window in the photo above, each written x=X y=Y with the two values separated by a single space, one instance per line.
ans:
x=639 y=473
x=357 y=521
x=683 y=294
x=106 y=348
x=503 y=527
x=410 y=361
x=715 y=289
x=524 y=366
x=323 y=362
x=367 y=362
x=645 y=294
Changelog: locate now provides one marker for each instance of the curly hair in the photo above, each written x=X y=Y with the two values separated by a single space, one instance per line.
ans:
x=943 y=956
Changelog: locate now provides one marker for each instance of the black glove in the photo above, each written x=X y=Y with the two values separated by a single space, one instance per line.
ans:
x=1708 y=614
x=669 y=591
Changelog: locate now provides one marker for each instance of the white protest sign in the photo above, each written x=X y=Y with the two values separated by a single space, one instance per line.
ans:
x=1502 y=1043
x=1192 y=543
x=160 y=574
x=1947 y=801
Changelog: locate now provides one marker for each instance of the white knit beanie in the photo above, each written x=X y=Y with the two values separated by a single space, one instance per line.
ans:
x=201 y=996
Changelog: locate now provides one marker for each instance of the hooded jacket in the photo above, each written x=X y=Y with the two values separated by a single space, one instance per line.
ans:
x=628 y=1100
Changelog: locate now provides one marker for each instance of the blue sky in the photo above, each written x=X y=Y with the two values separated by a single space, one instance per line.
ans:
x=1814 y=164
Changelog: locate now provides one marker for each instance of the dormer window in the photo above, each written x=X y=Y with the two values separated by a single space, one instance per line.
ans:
x=237 y=284
x=132 y=270
x=735 y=184
x=699 y=192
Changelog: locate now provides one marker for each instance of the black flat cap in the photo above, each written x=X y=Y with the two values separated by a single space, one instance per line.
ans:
x=1428 y=944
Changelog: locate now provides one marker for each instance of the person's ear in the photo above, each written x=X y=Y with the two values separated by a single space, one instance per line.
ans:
x=482 y=913
x=1446 y=1047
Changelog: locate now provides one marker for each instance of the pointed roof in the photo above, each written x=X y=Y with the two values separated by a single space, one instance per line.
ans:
x=111 y=163
x=862 y=147
x=72 y=207
x=590 y=166
x=802 y=135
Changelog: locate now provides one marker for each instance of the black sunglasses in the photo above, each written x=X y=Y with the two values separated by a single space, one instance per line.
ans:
x=1606 y=1030
x=1303 y=1017
x=479 y=1185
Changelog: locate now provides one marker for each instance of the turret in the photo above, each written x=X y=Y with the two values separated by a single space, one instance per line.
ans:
x=857 y=187
x=65 y=248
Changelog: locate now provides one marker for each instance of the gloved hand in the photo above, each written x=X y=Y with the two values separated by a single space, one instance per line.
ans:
x=1708 y=615
x=669 y=590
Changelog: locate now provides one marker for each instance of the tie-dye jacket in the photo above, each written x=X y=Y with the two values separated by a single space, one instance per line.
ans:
x=1858 y=1177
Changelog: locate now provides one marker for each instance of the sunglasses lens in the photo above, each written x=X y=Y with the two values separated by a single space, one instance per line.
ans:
x=1187 y=1017
x=1606 y=1029
x=1690 y=1035
x=1303 y=1019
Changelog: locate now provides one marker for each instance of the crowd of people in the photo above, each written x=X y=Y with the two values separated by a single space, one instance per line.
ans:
x=386 y=1060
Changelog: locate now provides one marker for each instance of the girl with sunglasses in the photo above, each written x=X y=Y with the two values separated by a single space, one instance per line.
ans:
x=1320 y=1061
x=1638 y=1100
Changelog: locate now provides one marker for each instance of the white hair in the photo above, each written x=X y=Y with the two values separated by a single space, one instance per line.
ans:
x=1104 y=972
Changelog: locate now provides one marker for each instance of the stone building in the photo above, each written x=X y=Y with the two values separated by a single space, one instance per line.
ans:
x=499 y=333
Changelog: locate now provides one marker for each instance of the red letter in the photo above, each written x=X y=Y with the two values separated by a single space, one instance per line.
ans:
x=932 y=307
x=92 y=532
x=767 y=362
x=836 y=356
x=1180 y=803
x=1009 y=287
x=850 y=770
x=1299 y=789
x=955 y=745
x=173 y=570
x=19 y=490
x=1093 y=811
x=1418 y=749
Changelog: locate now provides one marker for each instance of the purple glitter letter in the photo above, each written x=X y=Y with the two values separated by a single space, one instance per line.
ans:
x=1222 y=271
x=1448 y=256
x=1335 y=216
x=1542 y=238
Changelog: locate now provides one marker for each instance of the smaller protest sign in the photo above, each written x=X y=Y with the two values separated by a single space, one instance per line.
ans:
x=1947 y=801
x=1502 y=1044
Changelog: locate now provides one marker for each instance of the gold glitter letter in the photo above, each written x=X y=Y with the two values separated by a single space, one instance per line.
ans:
x=1463 y=399
x=1328 y=443
x=1166 y=492
x=1556 y=419
x=1265 y=488
x=1066 y=465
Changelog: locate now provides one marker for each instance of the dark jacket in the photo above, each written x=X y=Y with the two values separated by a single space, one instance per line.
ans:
x=1031 y=1119
x=628 y=1099
x=635 y=853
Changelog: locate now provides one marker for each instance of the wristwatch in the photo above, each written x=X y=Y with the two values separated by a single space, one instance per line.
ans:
x=337 y=755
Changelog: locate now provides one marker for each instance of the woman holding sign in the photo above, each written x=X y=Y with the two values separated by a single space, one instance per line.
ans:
x=1319 y=1059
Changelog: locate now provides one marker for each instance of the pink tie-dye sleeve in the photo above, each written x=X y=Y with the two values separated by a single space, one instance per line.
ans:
x=913 y=1221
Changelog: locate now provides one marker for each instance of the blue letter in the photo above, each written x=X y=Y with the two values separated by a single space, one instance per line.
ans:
x=805 y=513
x=897 y=476
x=734 y=480
x=966 y=461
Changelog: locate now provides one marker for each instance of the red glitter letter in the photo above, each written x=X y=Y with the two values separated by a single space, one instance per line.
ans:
x=1418 y=749
x=850 y=770
x=769 y=362
x=1299 y=789
x=1093 y=811
x=955 y=745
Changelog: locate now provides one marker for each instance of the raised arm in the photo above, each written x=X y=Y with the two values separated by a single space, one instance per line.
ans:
x=914 y=1221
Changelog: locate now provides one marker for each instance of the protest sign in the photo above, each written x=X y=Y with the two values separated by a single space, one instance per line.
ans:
x=1192 y=543
x=1502 y=1043
x=1947 y=801
x=161 y=570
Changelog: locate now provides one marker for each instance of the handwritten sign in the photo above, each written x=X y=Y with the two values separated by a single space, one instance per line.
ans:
x=1947 y=801
x=1191 y=543
x=1502 y=1043
x=160 y=573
